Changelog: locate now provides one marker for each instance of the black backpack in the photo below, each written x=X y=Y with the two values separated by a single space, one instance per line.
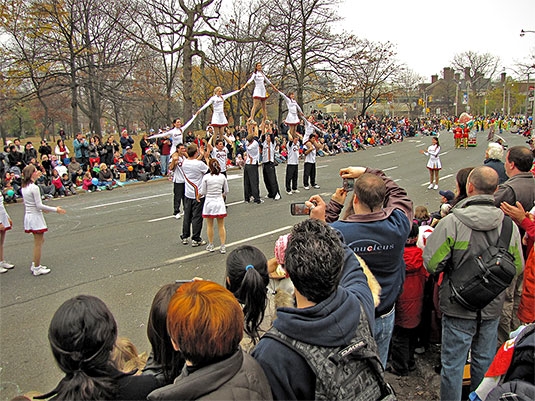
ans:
x=483 y=277
x=350 y=372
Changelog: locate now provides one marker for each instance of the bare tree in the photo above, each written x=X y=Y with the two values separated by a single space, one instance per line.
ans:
x=406 y=83
x=479 y=67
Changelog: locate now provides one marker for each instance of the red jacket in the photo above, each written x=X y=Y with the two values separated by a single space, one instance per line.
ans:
x=410 y=303
x=526 y=309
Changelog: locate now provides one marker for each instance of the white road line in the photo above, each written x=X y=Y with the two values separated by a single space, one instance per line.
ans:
x=170 y=217
x=390 y=168
x=203 y=252
x=441 y=178
x=444 y=153
x=233 y=177
x=384 y=154
x=422 y=144
x=124 y=201
x=397 y=179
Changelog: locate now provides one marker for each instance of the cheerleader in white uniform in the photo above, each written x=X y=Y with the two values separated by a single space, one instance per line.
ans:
x=294 y=111
x=219 y=120
x=176 y=134
x=34 y=221
x=310 y=128
x=5 y=225
x=433 y=164
x=260 y=94
x=214 y=186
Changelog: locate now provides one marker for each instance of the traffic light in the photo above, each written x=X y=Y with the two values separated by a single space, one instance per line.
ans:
x=420 y=102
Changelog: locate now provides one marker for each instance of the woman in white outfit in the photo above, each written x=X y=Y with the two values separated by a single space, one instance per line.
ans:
x=176 y=134
x=260 y=94
x=214 y=186
x=5 y=225
x=34 y=221
x=294 y=111
x=219 y=120
x=433 y=164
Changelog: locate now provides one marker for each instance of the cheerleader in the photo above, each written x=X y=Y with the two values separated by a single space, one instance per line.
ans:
x=176 y=134
x=219 y=120
x=5 y=225
x=294 y=111
x=310 y=128
x=433 y=164
x=259 y=94
x=34 y=221
x=214 y=186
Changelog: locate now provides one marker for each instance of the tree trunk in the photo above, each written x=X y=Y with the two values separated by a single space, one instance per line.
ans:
x=187 y=73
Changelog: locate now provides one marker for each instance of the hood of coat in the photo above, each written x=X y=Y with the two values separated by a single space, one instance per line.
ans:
x=478 y=217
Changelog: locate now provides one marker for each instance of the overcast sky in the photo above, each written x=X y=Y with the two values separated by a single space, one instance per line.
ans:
x=427 y=33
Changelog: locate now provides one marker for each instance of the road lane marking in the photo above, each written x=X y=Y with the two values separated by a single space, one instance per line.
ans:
x=204 y=252
x=386 y=153
x=422 y=144
x=124 y=201
x=444 y=153
x=442 y=178
x=390 y=168
x=170 y=217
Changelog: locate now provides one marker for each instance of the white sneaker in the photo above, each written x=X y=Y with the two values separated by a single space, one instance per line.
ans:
x=436 y=186
x=5 y=265
x=37 y=271
x=317 y=186
x=296 y=191
x=222 y=249
x=278 y=196
x=2 y=270
x=177 y=216
x=210 y=247
x=289 y=192
x=430 y=186
x=307 y=187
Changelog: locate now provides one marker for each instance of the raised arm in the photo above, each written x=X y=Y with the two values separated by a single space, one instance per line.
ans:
x=186 y=126
x=227 y=95
x=160 y=135
x=205 y=106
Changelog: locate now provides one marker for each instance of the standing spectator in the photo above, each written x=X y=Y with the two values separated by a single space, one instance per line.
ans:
x=45 y=149
x=334 y=307
x=29 y=153
x=205 y=322
x=18 y=145
x=193 y=170
x=475 y=221
x=520 y=187
x=144 y=143
x=15 y=158
x=493 y=159
x=126 y=140
x=81 y=150
x=94 y=151
x=111 y=146
x=164 y=144
x=178 y=179
x=214 y=187
x=376 y=230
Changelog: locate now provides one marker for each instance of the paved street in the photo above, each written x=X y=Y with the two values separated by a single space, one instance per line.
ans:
x=122 y=245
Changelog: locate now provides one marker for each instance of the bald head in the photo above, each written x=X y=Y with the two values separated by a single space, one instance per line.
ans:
x=483 y=181
x=370 y=191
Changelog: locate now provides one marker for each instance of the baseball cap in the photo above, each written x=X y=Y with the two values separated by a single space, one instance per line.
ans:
x=447 y=194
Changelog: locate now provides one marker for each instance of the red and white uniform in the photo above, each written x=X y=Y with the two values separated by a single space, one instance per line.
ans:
x=34 y=222
x=259 y=87
x=213 y=187
x=4 y=217
x=176 y=135
x=309 y=130
x=221 y=156
x=433 y=152
x=293 y=110
x=218 y=116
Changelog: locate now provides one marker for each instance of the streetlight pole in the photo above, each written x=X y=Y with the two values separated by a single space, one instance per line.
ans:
x=523 y=33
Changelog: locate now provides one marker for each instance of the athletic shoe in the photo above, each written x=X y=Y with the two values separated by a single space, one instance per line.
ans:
x=5 y=265
x=278 y=196
x=185 y=241
x=259 y=201
x=222 y=249
x=177 y=216
x=307 y=187
x=209 y=247
x=317 y=186
x=296 y=191
x=197 y=243
x=2 y=270
x=436 y=186
x=430 y=186
x=37 y=271
x=289 y=192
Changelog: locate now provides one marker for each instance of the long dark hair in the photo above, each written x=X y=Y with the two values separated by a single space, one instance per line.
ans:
x=248 y=279
x=27 y=173
x=82 y=335
x=462 y=179
x=163 y=352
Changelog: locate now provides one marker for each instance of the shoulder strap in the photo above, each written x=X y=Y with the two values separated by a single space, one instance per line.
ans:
x=507 y=231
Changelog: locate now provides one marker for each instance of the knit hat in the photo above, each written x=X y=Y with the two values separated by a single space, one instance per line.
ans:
x=280 y=248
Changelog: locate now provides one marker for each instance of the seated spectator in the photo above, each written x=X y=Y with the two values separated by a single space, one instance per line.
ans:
x=46 y=188
x=125 y=357
x=87 y=182
x=422 y=216
x=151 y=164
x=105 y=176
x=75 y=171
x=82 y=335
x=61 y=168
x=29 y=153
x=56 y=181
x=205 y=322
x=70 y=188
x=164 y=363
x=45 y=149
x=15 y=158
x=331 y=292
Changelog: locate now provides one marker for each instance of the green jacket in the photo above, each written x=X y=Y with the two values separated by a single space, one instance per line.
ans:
x=461 y=235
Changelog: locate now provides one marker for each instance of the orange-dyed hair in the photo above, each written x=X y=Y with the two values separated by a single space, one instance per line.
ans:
x=205 y=320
